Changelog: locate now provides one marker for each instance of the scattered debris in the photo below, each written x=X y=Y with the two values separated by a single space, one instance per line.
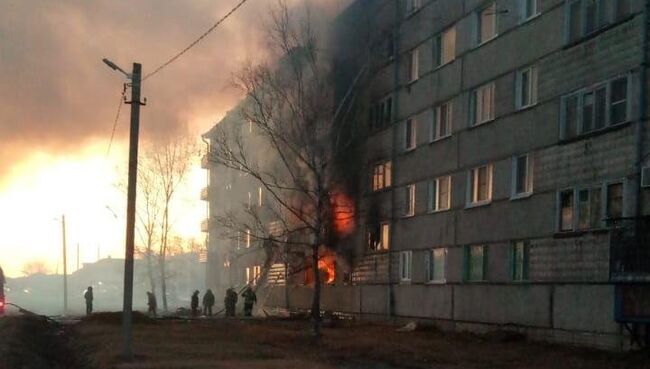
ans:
x=409 y=327
x=116 y=318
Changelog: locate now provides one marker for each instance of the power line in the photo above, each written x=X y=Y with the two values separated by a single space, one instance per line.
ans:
x=214 y=26
x=117 y=117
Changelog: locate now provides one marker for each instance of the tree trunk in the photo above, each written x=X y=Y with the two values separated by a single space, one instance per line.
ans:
x=163 y=284
x=152 y=281
x=163 y=254
x=315 y=306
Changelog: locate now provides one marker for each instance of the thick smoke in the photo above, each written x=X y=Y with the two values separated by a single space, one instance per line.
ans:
x=56 y=95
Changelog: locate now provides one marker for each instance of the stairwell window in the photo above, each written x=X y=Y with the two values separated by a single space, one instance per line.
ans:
x=440 y=194
x=410 y=126
x=526 y=87
x=444 y=47
x=615 y=200
x=441 y=121
x=480 y=186
x=520 y=261
x=405 y=265
x=585 y=17
x=522 y=176
x=486 y=23
x=595 y=108
x=566 y=203
x=409 y=200
x=475 y=263
x=435 y=262
x=413 y=65
x=482 y=104
x=380 y=114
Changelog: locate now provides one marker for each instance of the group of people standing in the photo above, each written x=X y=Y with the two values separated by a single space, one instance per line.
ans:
x=230 y=301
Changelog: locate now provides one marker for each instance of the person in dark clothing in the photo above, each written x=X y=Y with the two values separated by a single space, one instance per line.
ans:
x=194 y=304
x=88 y=296
x=208 y=302
x=249 y=299
x=230 y=301
x=151 y=302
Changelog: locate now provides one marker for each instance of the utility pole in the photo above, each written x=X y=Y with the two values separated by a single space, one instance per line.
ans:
x=130 y=210
x=65 y=269
x=77 y=257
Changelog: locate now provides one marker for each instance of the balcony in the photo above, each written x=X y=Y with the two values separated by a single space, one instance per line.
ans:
x=630 y=249
x=205 y=193
x=205 y=161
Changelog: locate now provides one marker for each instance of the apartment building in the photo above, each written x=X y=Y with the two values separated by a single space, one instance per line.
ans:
x=507 y=170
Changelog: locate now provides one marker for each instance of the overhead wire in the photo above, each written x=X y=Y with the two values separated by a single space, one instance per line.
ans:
x=206 y=33
x=117 y=118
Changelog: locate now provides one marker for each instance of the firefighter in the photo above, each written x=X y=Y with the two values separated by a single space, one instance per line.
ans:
x=230 y=301
x=194 y=304
x=249 y=299
x=208 y=302
x=151 y=302
x=88 y=296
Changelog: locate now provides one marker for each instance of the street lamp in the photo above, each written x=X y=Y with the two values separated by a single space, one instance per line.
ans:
x=135 y=103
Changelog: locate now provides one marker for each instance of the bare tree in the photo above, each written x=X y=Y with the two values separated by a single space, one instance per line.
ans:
x=304 y=134
x=36 y=266
x=171 y=162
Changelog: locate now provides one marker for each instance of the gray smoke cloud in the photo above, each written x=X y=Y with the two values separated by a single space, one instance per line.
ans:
x=56 y=94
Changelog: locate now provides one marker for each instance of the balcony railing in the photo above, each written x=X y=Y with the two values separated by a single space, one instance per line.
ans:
x=205 y=193
x=630 y=249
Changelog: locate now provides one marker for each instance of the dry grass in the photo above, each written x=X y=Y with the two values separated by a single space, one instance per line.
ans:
x=286 y=344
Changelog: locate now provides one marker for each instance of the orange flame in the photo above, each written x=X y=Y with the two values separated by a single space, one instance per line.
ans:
x=327 y=269
x=342 y=213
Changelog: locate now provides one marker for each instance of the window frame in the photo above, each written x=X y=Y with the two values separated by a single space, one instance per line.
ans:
x=474 y=99
x=529 y=188
x=381 y=170
x=467 y=273
x=472 y=191
x=607 y=12
x=429 y=265
x=479 y=41
x=606 y=204
x=439 y=59
x=412 y=138
x=525 y=262
x=578 y=95
x=382 y=236
x=436 y=113
x=602 y=188
x=533 y=83
x=523 y=11
x=405 y=266
x=412 y=7
x=413 y=66
x=433 y=195
x=409 y=200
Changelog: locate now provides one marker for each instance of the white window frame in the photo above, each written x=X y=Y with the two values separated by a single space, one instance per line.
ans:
x=409 y=200
x=412 y=6
x=248 y=238
x=479 y=23
x=435 y=204
x=468 y=263
x=524 y=10
x=578 y=211
x=579 y=96
x=384 y=236
x=515 y=266
x=405 y=266
x=410 y=141
x=414 y=65
x=437 y=123
x=485 y=94
x=445 y=47
x=381 y=172
x=606 y=13
x=529 y=176
x=260 y=197
x=533 y=78
x=603 y=188
x=430 y=262
x=472 y=186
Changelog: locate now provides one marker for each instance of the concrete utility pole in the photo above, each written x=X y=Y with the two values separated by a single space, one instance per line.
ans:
x=65 y=268
x=127 y=309
x=130 y=209
x=77 y=257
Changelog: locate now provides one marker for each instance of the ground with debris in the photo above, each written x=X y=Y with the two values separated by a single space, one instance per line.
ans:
x=286 y=344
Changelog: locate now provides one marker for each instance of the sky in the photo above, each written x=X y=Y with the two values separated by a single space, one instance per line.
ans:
x=58 y=102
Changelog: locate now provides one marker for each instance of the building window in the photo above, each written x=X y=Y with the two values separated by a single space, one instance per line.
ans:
x=380 y=114
x=444 y=48
x=381 y=175
x=584 y=17
x=249 y=204
x=614 y=200
x=522 y=175
x=441 y=122
x=487 y=23
x=436 y=265
x=409 y=200
x=248 y=238
x=412 y=6
x=482 y=104
x=480 y=185
x=260 y=197
x=526 y=87
x=413 y=65
x=520 y=250
x=378 y=237
x=440 y=194
x=528 y=9
x=585 y=111
x=405 y=264
x=589 y=208
x=566 y=211
x=475 y=263
x=410 y=126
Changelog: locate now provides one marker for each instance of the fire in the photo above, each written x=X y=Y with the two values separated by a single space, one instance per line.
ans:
x=342 y=213
x=327 y=269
